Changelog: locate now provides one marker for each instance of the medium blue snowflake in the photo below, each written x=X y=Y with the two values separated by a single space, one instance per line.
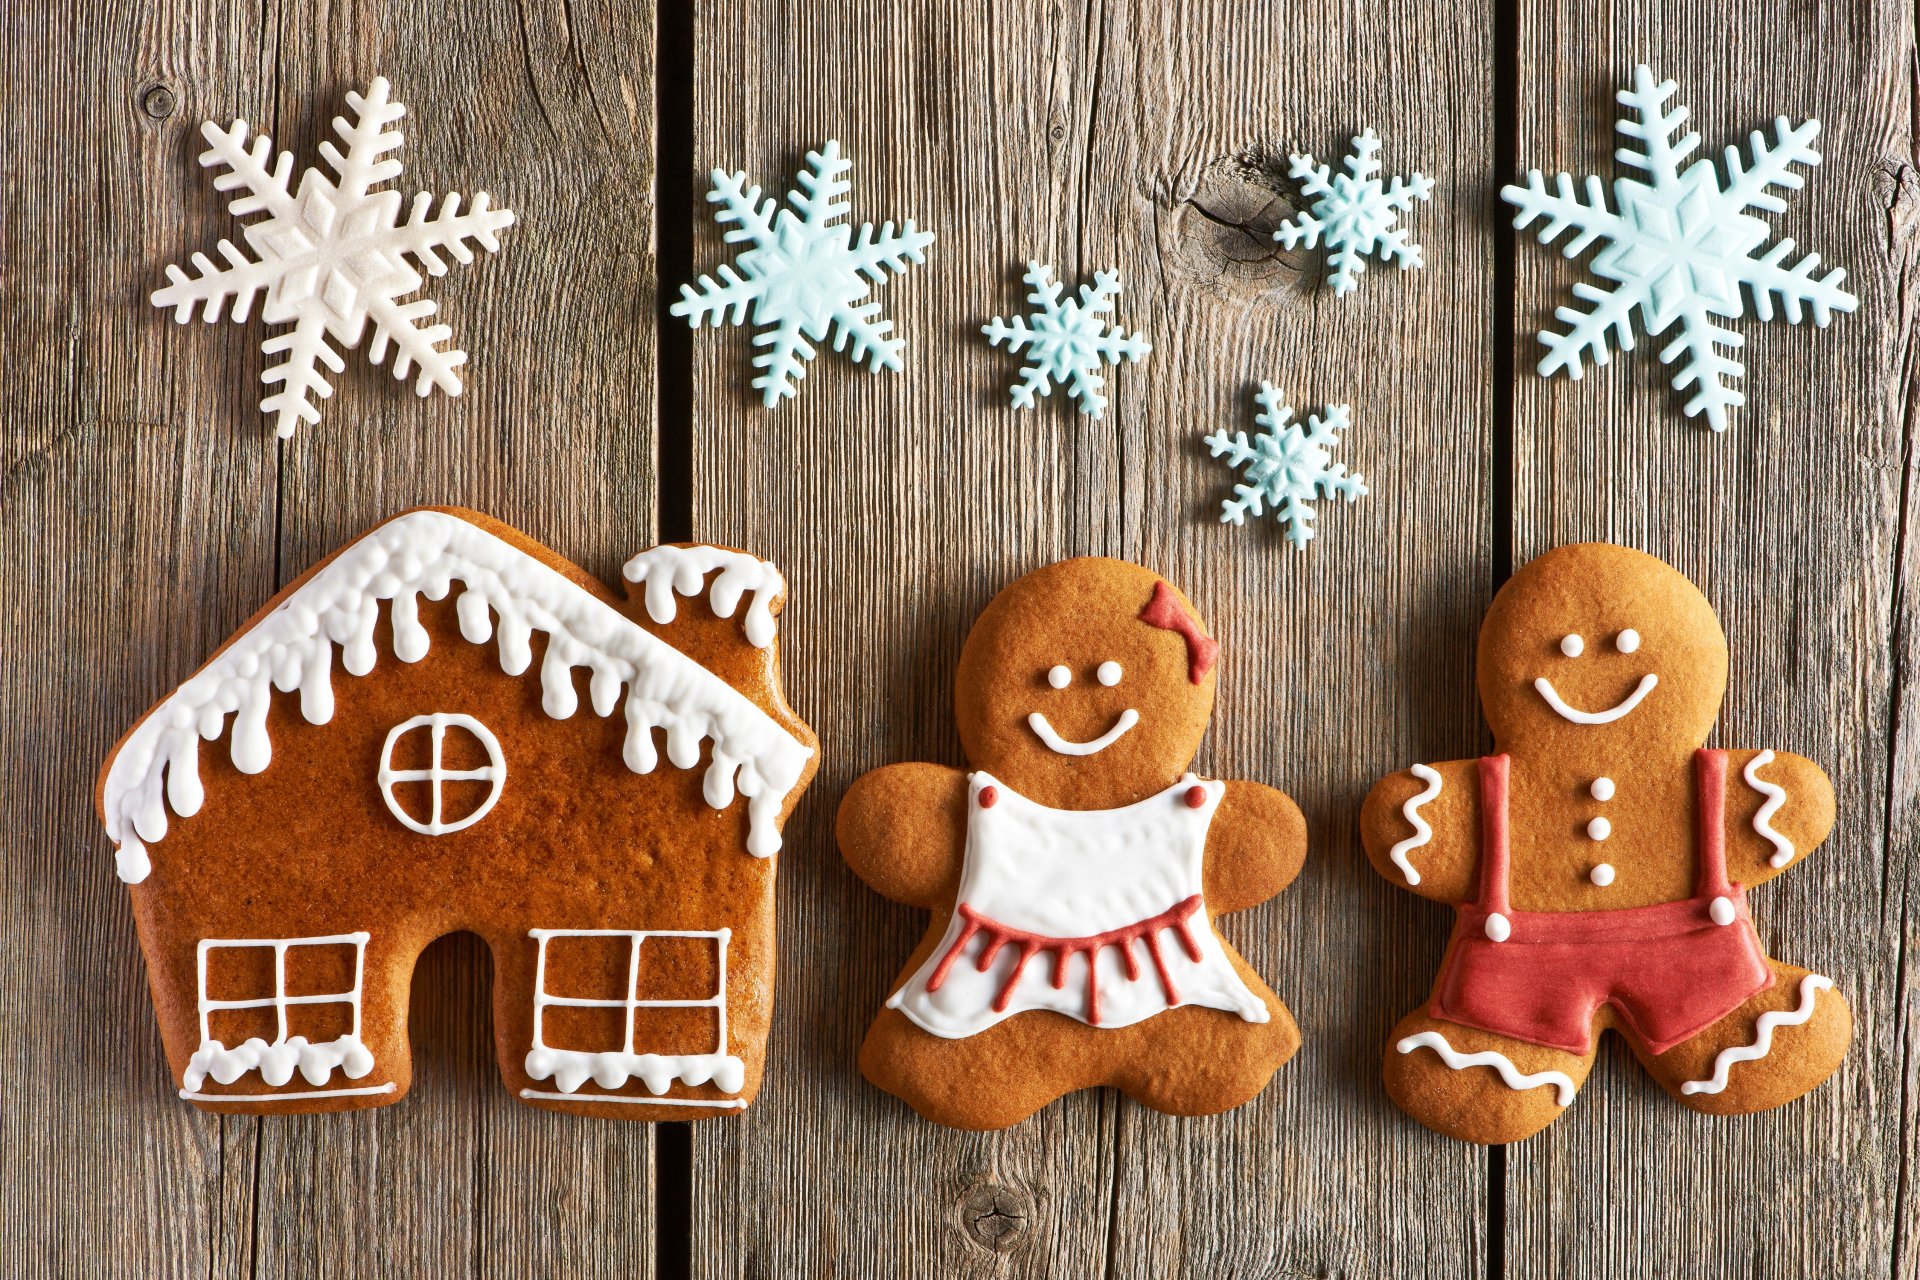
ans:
x=1069 y=340
x=1355 y=213
x=1680 y=248
x=804 y=274
x=1287 y=466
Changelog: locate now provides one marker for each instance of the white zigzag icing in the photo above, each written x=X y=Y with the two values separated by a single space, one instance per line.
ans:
x=1512 y=1075
x=1762 y=1044
x=1421 y=831
x=1776 y=796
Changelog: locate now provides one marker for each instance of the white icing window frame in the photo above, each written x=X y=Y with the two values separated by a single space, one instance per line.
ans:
x=630 y=1004
x=494 y=771
x=279 y=1002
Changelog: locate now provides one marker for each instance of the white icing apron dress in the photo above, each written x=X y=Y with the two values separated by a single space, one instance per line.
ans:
x=1096 y=914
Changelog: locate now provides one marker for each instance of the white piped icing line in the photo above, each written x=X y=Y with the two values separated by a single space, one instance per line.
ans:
x=1422 y=832
x=1509 y=1074
x=1762 y=1044
x=669 y=571
x=1763 y=821
x=1062 y=746
x=613 y=1068
x=507 y=593
x=493 y=773
x=1546 y=690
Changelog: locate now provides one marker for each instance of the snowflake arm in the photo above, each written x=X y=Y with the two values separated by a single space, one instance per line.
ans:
x=1563 y=209
x=368 y=140
x=298 y=376
x=1661 y=154
x=1286 y=466
x=1706 y=370
x=1796 y=285
x=1066 y=343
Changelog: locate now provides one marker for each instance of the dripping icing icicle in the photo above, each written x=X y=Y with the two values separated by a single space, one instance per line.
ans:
x=505 y=595
x=669 y=571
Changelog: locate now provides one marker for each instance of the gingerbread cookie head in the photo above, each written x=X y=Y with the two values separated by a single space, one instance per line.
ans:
x=1594 y=644
x=1086 y=684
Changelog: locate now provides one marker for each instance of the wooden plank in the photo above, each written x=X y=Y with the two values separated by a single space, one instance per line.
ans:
x=147 y=511
x=1791 y=524
x=548 y=107
x=132 y=539
x=1138 y=137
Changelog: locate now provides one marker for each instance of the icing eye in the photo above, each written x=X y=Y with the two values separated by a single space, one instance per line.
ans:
x=1572 y=646
x=1059 y=677
x=1108 y=674
x=1627 y=641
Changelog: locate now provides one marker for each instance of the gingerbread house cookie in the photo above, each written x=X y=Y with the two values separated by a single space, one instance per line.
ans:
x=444 y=726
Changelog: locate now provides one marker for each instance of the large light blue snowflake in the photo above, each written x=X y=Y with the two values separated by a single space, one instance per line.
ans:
x=804 y=274
x=1680 y=248
x=1069 y=340
x=1355 y=213
x=1287 y=466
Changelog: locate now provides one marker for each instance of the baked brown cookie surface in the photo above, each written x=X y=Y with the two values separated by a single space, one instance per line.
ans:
x=442 y=727
x=1599 y=861
x=1075 y=872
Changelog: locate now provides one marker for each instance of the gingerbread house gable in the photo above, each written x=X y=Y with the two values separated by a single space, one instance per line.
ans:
x=506 y=594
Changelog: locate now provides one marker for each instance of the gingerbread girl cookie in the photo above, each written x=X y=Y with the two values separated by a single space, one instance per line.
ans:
x=1075 y=871
x=1599 y=860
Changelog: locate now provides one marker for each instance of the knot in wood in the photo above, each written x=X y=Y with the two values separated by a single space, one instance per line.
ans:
x=996 y=1218
x=158 y=101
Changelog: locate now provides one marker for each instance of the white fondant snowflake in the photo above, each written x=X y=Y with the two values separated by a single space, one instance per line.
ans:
x=1355 y=213
x=1287 y=466
x=1680 y=248
x=331 y=258
x=804 y=275
x=1069 y=340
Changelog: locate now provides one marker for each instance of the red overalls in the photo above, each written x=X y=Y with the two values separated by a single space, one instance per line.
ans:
x=1671 y=969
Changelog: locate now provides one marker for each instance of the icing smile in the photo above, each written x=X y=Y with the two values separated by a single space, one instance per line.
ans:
x=1617 y=710
x=1038 y=723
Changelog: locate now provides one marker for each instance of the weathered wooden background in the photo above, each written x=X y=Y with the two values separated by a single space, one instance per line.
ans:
x=146 y=510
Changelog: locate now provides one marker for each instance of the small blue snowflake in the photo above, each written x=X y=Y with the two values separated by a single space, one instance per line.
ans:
x=1355 y=213
x=1069 y=340
x=1287 y=466
x=804 y=274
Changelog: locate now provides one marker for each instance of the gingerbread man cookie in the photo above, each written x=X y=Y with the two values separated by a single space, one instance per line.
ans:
x=1074 y=873
x=1599 y=860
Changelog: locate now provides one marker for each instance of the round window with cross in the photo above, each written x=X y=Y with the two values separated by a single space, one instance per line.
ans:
x=448 y=765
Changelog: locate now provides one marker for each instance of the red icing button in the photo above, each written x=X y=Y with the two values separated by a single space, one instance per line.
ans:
x=989 y=796
x=1196 y=796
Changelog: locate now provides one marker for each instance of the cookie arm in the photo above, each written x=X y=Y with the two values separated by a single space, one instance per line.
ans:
x=1254 y=847
x=1441 y=862
x=1779 y=808
x=903 y=829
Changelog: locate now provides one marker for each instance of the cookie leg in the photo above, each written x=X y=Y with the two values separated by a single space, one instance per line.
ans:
x=1769 y=1051
x=986 y=1081
x=1475 y=1085
x=1223 y=1063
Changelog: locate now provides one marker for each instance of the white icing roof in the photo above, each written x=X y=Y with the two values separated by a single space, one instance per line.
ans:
x=505 y=591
